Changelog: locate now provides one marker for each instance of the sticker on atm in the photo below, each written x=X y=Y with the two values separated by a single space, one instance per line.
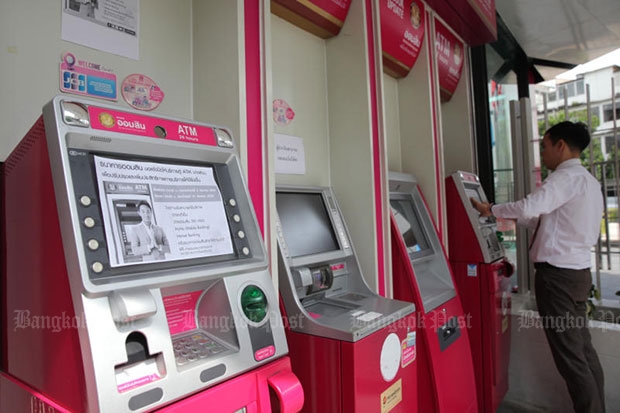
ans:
x=472 y=270
x=391 y=397
x=264 y=353
x=136 y=375
x=181 y=311
x=337 y=267
x=369 y=316
x=408 y=349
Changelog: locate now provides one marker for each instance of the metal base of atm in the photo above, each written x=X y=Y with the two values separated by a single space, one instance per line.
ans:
x=485 y=289
x=341 y=376
x=446 y=381
x=267 y=389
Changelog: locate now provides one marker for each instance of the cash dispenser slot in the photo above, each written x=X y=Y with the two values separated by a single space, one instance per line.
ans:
x=141 y=368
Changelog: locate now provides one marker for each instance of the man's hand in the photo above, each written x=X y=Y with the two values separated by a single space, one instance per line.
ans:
x=483 y=207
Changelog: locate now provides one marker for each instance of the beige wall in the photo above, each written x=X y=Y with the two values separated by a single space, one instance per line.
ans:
x=326 y=84
x=31 y=51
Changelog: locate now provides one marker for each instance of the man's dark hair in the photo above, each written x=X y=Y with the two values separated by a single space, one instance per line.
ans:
x=575 y=134
x=144 y=203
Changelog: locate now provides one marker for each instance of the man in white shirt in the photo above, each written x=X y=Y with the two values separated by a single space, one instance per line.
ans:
x=566 y=213
x=147 y=239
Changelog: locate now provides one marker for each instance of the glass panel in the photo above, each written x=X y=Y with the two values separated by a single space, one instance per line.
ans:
x=502 y=89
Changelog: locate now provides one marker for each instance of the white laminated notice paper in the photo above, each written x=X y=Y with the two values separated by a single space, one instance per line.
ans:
x=109 y=25
x=290 y=155
x=157 y=211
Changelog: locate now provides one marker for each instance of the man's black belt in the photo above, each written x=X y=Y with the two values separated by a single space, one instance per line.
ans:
x=541 y=265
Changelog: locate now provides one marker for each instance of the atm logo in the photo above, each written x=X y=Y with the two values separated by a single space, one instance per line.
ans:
x=106 y=119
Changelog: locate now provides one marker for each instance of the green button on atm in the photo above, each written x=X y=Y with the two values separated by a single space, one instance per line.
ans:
x=254 y=303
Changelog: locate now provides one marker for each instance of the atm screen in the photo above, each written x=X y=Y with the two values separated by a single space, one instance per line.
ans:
x=306 y=226
x=473 y=193
x=410 y=227
x=160 y=212
x=150 y=212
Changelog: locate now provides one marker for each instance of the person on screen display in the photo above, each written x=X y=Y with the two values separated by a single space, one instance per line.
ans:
x=147 y=239
x=565 y=213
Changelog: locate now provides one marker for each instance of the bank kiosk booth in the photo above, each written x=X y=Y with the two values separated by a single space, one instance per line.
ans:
x=422 y=275
x=482 y=272
x=136 y=276
x=353 y=350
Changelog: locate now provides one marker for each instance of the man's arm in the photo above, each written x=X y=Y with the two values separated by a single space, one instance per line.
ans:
x=164 y=245
x=483 y=207
x=486 y=210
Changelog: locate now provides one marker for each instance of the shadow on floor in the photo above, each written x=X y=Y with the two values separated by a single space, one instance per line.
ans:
x=509 y=406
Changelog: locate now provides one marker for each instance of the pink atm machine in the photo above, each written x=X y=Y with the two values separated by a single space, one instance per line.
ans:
x=353 y=350
x=421 y=275
x=482 y=273
x=135 y=277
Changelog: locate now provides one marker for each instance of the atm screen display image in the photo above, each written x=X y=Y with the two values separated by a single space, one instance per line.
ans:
x=126 y=213
x=473 y=193
x=410 y=228
x=305 y=223
x=160 y=212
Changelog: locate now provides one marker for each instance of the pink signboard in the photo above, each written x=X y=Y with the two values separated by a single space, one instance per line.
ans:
x=486 y=11
x=402 y=34
x=134 y=124
x=323 y=18
x=450 y=55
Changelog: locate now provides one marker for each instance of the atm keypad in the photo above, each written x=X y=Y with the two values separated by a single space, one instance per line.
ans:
x=195 y=347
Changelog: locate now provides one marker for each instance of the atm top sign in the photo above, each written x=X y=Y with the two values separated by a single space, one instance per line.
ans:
x=402 y=34
x=135 y=124
x=323 y=18
x=450 y=54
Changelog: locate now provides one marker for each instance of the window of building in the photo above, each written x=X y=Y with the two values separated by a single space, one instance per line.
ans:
x=552 y=96
x=581 y=88
x=608 y=113
x=570 y=90
x=609 y=144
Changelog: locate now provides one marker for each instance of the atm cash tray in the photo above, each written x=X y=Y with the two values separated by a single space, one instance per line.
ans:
x=329 y=307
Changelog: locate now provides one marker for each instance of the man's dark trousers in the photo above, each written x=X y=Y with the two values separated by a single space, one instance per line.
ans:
x=561 y=296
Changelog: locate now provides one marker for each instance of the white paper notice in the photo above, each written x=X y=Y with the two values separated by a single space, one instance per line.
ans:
x=290 y=156
x=108 y=25
x=155 y=211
